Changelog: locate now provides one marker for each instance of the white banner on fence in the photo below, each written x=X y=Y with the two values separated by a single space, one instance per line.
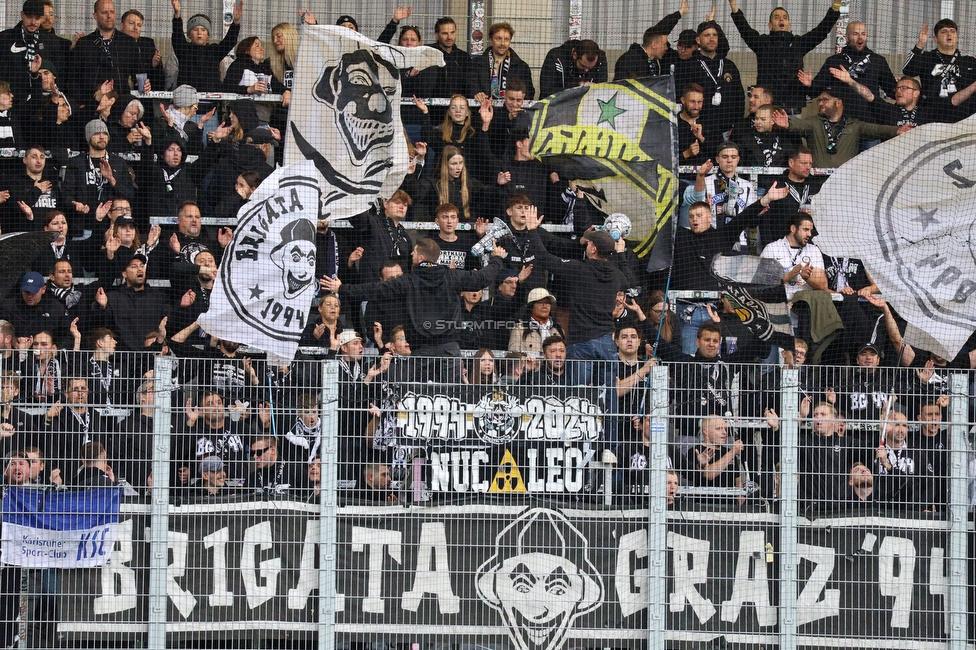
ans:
x=60 y=549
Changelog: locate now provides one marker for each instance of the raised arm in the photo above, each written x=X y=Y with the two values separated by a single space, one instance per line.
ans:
x=816 y=36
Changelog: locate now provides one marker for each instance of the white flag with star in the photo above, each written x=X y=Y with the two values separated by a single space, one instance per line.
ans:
x=912 y=201
x=263 y=292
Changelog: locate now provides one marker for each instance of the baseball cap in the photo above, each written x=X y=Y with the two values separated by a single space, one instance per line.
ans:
x=138 y=256
x=345 y=336
x=604 y=243
x=687 y=38
x=260 y=136
x=33 y=8
x=538 y=294
x=211 y=464
x=125 y=219
x=32 y=282
x=869 y=346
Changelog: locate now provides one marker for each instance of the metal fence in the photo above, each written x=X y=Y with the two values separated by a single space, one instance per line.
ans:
x=495 y=503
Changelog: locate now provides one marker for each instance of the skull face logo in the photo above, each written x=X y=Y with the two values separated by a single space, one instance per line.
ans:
x=295 y=256
x=361 y=90
x=540 y=579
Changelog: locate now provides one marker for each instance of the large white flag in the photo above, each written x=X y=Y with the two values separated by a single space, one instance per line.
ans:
x=907 y=209
x=345 y=147
x=344 y=114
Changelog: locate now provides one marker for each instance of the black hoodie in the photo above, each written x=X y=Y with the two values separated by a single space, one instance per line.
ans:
x=164 y=187
x=431 y=294
x=592 y=285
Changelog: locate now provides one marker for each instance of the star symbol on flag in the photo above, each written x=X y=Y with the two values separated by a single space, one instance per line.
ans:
x=926 y=218
x=256 y=291
x=609 y=111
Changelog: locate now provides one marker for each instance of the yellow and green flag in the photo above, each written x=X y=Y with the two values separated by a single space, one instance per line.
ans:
x=618 y=142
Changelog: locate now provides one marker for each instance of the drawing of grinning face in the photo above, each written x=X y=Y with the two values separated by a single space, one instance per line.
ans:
x=540 y=579
x=360 y=90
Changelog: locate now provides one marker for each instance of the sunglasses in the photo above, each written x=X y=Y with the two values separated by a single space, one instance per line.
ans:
x=259 y=452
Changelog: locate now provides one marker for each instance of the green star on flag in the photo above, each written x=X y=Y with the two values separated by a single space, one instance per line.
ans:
x=609 y=111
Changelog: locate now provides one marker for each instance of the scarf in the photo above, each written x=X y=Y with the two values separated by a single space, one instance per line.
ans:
x=179 y=121
x=306 y=437
x=833 y=136
x=168 y=178
x=31 y=42
x=48 y=379
x=398 y=238
x=69 y=296
x=500 y=80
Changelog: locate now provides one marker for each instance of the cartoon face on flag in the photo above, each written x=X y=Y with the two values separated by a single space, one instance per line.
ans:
x=345 y=118
x=264 y=287
x=295 y=256
x=344 y=148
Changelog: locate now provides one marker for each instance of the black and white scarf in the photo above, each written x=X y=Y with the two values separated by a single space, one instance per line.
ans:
x=949 y=71
x=306 y=437
x=69 y=296
x=834 y=132
x=499 y=81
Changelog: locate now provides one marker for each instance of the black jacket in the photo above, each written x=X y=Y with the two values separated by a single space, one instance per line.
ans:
x=452 y=78
x=634 y=64
x=592 y=286
x=937 y=106
x=76 y=187
x=693 y=253
x=432 y=297
x=90 y=65
x=479 y=74
x=132 y=314
x=14 y=66
x=868 y=68
x=200 y=64
x=779 y=56
x=559 y=70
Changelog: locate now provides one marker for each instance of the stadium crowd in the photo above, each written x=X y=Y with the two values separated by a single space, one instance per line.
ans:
x=81 y=327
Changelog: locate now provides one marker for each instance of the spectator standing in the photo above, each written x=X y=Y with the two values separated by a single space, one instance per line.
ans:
x=23 y=47
x=490 y=72
x=943 y=71
x=199 y=59
x=719 y=78
x=570 y=65
x=592 y=286
x=106 y=54
x=779 y=54
x=94 y=179
x=132 y=310
x=452 y=78
x=653 y=56
x=833 y=136
x=862 y=65
x=150 y=58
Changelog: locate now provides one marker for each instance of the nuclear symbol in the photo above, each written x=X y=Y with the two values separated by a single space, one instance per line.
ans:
x=508 y=478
